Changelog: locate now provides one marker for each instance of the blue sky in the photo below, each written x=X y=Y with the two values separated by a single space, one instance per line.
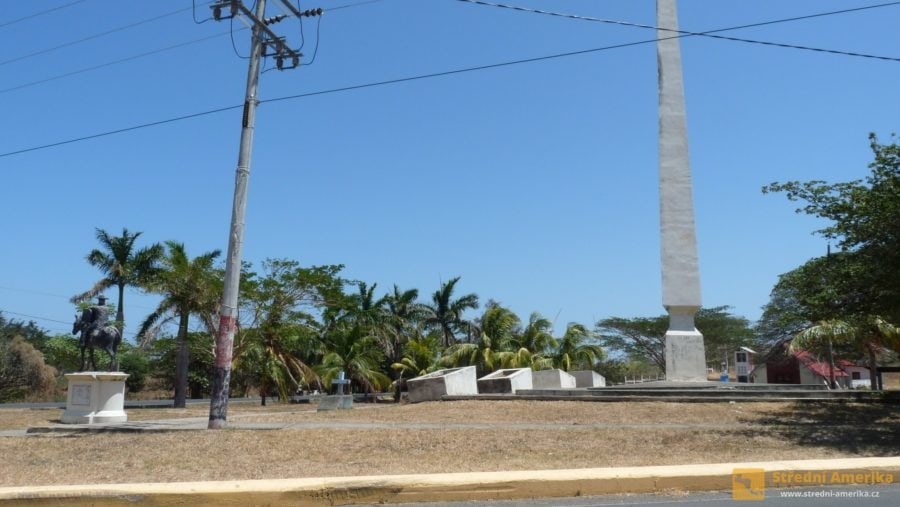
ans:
x=537 y=183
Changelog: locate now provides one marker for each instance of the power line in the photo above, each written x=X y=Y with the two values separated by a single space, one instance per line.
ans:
x=122 y=130
x=114 y=62
x=38 y=293
x=95 y=36
x=382 y=83
x=138 y=56
x=47 y=319
x=710 y=34
x=33 y=317
x=41 y=13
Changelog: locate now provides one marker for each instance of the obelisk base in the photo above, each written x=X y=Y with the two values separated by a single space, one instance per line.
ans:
x=95 y=397
x=685 y=357
x=685 y=353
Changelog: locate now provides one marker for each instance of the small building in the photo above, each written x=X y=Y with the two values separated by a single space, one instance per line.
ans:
x=799 y=367
x=860 y=376
x=743 y=363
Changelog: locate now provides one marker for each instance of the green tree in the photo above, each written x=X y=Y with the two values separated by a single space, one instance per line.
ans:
x=275 y=349
x=575 y=352
x=864 y=218
x=29 y=331
x=445 y=314
x=645 y=337
x=162 y=354
x=403 y=316
x=420 y=357
x=189 y=287
x=347 y=349
x=497 y=329
x=870 y=336
x=122 y=266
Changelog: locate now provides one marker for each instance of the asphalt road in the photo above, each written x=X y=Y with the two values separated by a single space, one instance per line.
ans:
x=865 y=496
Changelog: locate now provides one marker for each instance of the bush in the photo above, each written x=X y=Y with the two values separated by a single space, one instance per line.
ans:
x=23 y=371
x=135 y=363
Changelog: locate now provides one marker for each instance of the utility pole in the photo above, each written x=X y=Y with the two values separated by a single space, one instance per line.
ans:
x=264 y=43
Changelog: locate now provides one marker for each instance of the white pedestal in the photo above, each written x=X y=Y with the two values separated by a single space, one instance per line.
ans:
x=95 y=397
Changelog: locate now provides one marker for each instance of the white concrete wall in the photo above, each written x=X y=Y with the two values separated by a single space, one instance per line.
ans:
x=452 y=381
x=505 y=381
x=552 y=379
x=588 y=378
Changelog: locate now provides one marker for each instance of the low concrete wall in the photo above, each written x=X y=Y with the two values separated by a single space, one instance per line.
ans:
x=588 y=378
x=552 y=379
x=452 y=381
x=505 y=381
x=456 y=487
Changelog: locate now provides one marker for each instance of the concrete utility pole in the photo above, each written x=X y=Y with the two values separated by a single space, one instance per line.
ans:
x=685 y=354
x=264 y=43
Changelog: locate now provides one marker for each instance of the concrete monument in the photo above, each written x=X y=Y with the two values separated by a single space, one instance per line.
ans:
x=685 y=354
x=505 y=381
x=451 y=381
x=95 y=397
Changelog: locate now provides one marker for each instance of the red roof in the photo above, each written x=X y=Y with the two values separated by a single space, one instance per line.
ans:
x=820 y=368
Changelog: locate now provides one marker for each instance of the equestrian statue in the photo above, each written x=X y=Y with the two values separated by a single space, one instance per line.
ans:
x=97 y=333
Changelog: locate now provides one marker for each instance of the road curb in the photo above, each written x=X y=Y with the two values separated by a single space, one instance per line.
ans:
x=460 y=486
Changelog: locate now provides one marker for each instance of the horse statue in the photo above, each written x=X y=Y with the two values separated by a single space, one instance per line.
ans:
x=97 y=334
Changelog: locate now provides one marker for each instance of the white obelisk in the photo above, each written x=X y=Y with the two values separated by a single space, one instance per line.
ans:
x=685 y=354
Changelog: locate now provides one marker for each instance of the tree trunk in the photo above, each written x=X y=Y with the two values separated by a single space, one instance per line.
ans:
x=831 y=382
x=120 y=311
x=181 y=361
x=873 y=368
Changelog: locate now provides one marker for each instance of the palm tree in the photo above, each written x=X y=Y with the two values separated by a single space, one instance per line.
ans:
x=871 y=334
x=347 y=349
x=420 y=356
x=269 y=360
x=536 y=338
x=497 y=328
x=446 y=313
x=188 y=286
x=122 y=266
x=574 y=353
x=402 y=314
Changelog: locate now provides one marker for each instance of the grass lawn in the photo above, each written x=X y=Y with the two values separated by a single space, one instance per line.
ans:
x=456 y=436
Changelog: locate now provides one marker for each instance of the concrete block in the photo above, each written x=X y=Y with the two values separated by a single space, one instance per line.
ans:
x=588 y=378
x=505 y=381
x=552 y=379
x=452 y=381
x=95 y=397
x=335 y=402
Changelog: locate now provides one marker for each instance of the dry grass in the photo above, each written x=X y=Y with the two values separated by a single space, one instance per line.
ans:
x=575 y=435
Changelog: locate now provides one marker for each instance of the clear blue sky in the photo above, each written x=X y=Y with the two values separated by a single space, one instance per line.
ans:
x=537 y=183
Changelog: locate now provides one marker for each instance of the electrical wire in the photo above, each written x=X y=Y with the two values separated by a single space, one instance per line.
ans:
x=711 y=33
x=33 y=316
x=134 y=57
x=368 y=85
x=194 y=12
x=231 y=35
x=114 y=62
x=92 y=37
x=47 y=319
x=316 y=51
x=41 y=13
x=25 y=291
x=347 y=6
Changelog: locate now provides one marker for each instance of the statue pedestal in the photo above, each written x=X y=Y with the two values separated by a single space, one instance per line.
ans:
x=95 y=397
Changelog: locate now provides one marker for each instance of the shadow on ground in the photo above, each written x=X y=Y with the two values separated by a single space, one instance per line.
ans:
x=865 y=430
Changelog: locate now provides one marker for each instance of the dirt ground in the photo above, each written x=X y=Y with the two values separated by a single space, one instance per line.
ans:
x=461 y=436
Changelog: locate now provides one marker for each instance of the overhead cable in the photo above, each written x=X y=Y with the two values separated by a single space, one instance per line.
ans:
x=41 y=13
x=369 y=85
x=711 y=33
